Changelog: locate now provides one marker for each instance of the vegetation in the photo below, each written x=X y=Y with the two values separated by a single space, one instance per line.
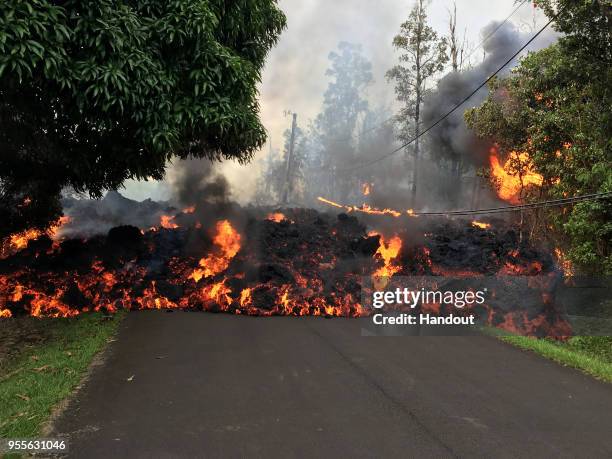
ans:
x=591 y=354
x=95 y=92
x=343 y=104
x=555 y=106
x=40 y=375
x=344 y=133
x=423 y=56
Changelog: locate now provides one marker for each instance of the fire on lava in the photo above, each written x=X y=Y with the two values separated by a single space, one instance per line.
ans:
x=296 y=262
x=227 y=245
x=481 y=225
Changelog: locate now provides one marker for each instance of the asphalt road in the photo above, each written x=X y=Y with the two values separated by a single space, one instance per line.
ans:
x=203 y=385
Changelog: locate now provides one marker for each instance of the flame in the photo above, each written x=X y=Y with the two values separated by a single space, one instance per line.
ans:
x=331 y=203
x=481 y=225
x=42 y=304
x=511 y=268
x=151 y=299
x=276 y=217
x=227 y=242
x=365 y=208
x=564 y=263
x=388 y=252
x=366 y=188
x=510 y=184
x=315 y=287
x=166 y=221
x=189 y=210
x=55 y=230
x=246 y=298
x=219 y=294
x=20 y=241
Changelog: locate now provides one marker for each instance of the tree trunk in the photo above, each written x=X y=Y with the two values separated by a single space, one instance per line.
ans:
x=417 y=118
x=287 y=185
x=415 y=171
x=454 y=49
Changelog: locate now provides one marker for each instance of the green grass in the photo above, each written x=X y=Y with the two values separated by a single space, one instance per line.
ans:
x=35 y=379
x=591 y=354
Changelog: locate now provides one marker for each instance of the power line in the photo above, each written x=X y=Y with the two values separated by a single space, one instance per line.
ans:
x=493 y=210
x=496 y=29
x=391 y=118
x=451 y=111
x=536 y=205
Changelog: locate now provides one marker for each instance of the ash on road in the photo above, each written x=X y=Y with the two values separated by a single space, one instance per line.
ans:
x=203 y=385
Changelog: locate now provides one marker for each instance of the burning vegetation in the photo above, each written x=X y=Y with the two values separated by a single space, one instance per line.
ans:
x=514 y=176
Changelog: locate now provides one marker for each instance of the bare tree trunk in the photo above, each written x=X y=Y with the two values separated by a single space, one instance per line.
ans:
x=454 y=48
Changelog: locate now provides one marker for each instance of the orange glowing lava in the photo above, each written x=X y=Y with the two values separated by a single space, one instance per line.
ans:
x=167 y=222
x=481 y=225
x=388 y=252
x=227 y=242
x=55 y=230
x=276 y=217
x=20 y=241
x=365 y=208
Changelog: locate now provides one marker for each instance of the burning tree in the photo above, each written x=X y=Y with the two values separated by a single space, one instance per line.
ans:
x=554 y=113
x=94 y=93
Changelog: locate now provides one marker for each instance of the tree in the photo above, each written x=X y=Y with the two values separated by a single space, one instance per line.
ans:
x=456 y=49
x=423 y=56
x=555 y=106
x=95 y=92
x=343 y=104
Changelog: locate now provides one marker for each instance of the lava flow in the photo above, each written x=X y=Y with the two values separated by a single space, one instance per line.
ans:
x=227 y=242
x=481 y=225
x=298 y=262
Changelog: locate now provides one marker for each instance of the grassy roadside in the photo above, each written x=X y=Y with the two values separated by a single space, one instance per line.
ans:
x=590 y=354
x=39 y=373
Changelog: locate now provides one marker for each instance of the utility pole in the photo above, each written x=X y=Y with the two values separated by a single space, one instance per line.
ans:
x=287 y=187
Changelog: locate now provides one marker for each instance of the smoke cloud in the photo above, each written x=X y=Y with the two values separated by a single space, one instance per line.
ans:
x=452 y=136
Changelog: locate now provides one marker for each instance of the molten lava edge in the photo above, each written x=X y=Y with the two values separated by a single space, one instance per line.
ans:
x=294 y=263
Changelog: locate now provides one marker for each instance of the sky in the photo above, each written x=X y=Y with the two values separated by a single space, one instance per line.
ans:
x=294 y=76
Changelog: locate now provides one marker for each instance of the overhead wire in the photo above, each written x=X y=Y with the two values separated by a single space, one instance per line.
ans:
x=493 y=210
x=455 y=107
x=393 y=117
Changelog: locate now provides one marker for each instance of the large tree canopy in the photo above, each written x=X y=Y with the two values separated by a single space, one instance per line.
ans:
x=556 y=107
x=93 y=92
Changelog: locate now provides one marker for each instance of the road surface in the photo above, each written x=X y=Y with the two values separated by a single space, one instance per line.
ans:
x=187 y=384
